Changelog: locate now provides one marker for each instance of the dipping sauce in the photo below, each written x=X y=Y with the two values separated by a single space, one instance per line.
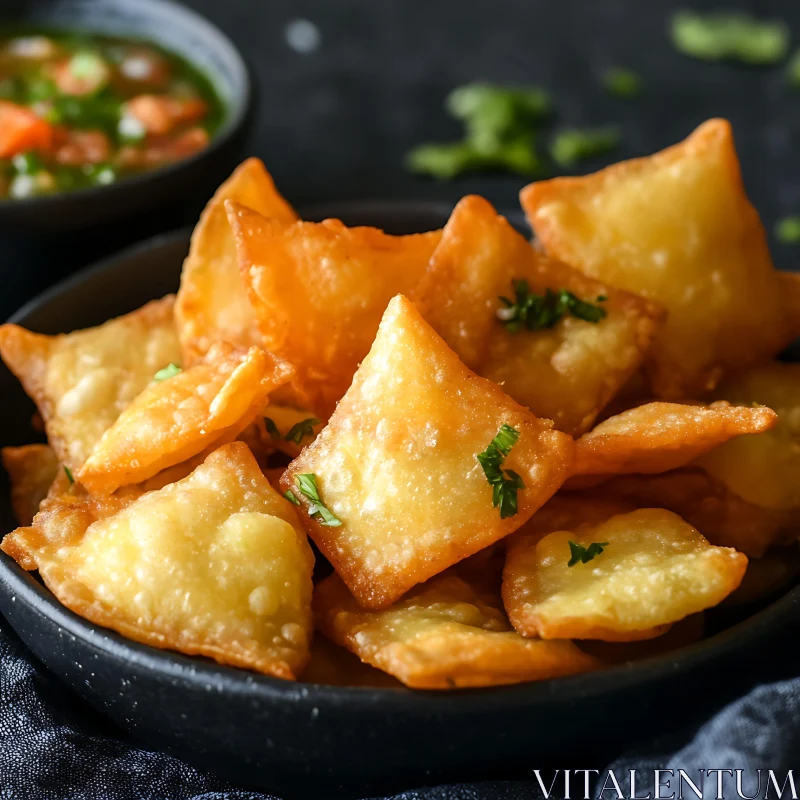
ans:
x=80 y=110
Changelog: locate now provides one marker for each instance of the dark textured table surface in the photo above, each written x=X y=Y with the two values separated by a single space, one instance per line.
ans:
x=335 y=122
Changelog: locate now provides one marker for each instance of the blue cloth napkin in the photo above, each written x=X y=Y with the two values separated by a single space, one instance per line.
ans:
x=53 y=747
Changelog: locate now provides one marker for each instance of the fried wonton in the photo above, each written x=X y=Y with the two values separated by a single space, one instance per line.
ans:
x=398 y=466
x=763 y=469
x=653 y=569
x=658 y=437
x=319 y=290
x=332 y=665
x=191 y=412
x=31 y=469
x=677 y=228
x=214 y=565
x=707 y=504
x=442 y=635
x=81 y=381
x=563 y=370
x=212 y=303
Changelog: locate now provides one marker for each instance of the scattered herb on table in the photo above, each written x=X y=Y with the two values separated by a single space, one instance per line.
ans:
x=572 y=145
x=787 y=230
x=622 y=82
x=730 y=36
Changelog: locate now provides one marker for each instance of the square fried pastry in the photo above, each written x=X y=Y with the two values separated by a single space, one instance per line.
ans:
x=658 y=437
x=442 y=635
x=628 y=577
x=212 y=303
x=422 y=464
x=214 y=565
x=557 y=342
x=82 y=381
x=319 y=290
x=31 y=470
x=190 y=412
x=677 y=228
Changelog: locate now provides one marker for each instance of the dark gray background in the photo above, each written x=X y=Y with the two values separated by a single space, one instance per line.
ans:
x=335 y=123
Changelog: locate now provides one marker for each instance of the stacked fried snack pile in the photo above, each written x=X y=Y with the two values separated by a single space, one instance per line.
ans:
x=518 y=459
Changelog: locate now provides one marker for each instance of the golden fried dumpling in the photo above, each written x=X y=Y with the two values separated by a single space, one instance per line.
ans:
x=677 y=228
x=398 y=464
x=180 y=416
x=626 y=578
x=658 y=437
x=442 y=635
x=212 y=303
x=214 y=564
x=319 y=290
x=564 y=348
x=82 y=381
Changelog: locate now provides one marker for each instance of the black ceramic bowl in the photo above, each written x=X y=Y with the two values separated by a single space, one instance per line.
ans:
x=305 y=739
x=177 y=29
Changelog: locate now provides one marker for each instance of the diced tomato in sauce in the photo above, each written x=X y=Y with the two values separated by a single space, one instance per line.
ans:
x=161 y=114
x=21 y=130
x=74 y=148
x=163 y=150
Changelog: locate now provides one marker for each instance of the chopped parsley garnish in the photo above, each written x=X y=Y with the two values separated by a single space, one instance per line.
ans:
x=307 y=484
x=301 y=429
x=730 y=36
x=504 y=483
x=787 y=230
x=622 y=82
x=572 y=145
x=533 y=311
x=290 y=496
x=272 y=428
x=68 y=473
x=500 y=126
x=170 y=371
x=583 y=555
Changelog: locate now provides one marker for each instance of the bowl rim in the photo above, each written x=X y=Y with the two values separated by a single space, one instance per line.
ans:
x=237 y=110
x=24 y=588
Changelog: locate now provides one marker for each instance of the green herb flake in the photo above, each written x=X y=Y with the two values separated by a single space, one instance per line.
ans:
x=290 y=496
x=86 y=65
x=307 y=484
x=68 y=473
x=730 y=36
x=532 y=311
x=301 y=429
x=787 y=231
x=272 y=428
x=500 y=126
x=583 y=555
x=622 y=82
x=170 y=371
x=793 y=70
x=505 y=484
x=572 y=145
